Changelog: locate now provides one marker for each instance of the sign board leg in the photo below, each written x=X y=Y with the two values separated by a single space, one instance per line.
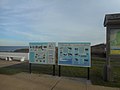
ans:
x=30 y=68
x=107 y=73
x=59 y=70
x=53 y=70
x=88 y=71
x=107 y=70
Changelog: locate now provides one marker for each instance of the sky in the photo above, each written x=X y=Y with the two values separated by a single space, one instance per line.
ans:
x=24 y=21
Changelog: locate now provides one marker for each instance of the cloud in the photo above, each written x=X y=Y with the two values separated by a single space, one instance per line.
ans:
x=54 y=20
x=11 y=42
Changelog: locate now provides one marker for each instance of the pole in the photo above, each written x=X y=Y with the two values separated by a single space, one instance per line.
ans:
x=107 y=67
x=88 y=71
x=30 y=68
x=53 y=70
x=59 y=70
x=107 y=71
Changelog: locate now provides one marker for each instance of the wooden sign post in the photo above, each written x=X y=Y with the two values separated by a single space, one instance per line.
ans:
x=112 y=24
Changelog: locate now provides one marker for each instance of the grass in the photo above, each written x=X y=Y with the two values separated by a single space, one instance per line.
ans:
x=96 y=71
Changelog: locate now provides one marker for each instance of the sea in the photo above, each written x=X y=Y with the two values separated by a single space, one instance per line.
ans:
x=12 y=48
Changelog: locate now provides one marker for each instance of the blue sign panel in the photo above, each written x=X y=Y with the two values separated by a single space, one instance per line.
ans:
x=74 y=54
x=42 y=53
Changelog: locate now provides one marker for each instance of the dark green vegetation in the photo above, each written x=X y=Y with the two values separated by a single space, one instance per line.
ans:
x=22 y=50
x=96 y=71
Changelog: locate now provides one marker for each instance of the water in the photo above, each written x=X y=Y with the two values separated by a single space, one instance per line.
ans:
x=11 y=48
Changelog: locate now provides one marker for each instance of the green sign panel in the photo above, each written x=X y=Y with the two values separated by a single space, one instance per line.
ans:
x=115 y=41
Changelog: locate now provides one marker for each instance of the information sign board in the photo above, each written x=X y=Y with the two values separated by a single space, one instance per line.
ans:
x=42 y=53
x=115 y=41
x=74 y=54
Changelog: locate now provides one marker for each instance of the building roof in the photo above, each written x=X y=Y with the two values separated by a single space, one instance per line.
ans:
x=112 y=19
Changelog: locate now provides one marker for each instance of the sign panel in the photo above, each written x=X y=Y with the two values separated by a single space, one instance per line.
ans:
x=74 y=54
x=42 y=53
x=115 y=41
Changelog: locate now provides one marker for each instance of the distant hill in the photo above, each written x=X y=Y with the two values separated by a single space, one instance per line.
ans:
x=11 y=48
x=26 y=50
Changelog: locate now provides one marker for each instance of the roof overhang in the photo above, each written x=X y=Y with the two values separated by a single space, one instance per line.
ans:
x=112 y=19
